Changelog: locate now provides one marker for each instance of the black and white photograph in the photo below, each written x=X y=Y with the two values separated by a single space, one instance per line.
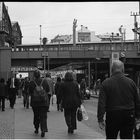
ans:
x=70 y=70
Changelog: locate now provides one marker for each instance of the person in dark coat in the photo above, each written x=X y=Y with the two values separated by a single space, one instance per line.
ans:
x=39 y=107
x=25 y=91
x=71 y=100
x=13 y=86
x=2 y=93
x=57 y=91
x=119 y=99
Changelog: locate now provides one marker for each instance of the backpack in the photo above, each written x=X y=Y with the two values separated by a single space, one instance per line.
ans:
x=39 y=94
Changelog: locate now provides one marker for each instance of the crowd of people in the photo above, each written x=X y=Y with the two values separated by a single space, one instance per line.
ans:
x=119 y=100
x=26 y=88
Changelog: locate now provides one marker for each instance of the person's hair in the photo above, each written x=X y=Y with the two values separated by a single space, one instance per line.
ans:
x=36 y=74
x=58 y=79
x=69 y=76
x=117 y=66
x=2 y=80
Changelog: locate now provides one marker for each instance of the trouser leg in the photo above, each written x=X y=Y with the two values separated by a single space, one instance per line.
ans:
x=12 y=97
x=113 y=121
x=49 y=96
x=27 y=102
x=67 y=115
x=126 y=131
x=43 y=119
x=73 y=118
x=3 y=103
x=36 y=118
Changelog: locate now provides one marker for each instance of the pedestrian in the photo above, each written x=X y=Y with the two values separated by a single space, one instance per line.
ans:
x=119 y=99
x=71 y=100
x=2 y=93
x=97 y=86
x=83 y=88
x=13 y=85
x=26 y=92
x=51 y=86
x=39 y=107
x=57 y=91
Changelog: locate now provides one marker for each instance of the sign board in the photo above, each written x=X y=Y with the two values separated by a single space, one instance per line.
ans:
x=44 y=54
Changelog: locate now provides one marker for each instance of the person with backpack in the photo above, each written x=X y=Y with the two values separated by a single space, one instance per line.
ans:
x=38 y=89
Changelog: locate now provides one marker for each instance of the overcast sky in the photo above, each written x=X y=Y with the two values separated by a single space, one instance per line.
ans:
x=57 y=18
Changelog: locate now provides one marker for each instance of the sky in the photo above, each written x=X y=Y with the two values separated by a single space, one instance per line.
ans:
x=57 y=18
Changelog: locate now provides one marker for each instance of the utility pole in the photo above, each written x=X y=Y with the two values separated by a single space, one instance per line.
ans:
x=74 y=32
x=40 y=35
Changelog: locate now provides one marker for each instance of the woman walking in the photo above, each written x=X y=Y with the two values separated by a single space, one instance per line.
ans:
x=57 y=91
x=71 y=100
x=39 y=107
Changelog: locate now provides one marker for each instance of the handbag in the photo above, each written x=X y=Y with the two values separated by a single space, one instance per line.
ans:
x=79 y=114
x=137 y=130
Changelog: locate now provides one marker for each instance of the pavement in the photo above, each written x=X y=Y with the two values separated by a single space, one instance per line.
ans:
x=17 y=123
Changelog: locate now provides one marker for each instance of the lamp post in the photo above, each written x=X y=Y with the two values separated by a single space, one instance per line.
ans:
x=44 y=54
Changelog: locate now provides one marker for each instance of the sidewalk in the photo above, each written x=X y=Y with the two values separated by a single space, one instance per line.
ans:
x=7 y=122
x=17 y=123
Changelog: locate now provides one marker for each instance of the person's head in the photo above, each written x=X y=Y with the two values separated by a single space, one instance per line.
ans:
x=58 y=79
x=69 y=76
x=2 y=80
x=48 y=74
x=117 y=66
x=36 y=74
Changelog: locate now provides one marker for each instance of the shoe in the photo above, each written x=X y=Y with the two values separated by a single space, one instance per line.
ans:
x=48 y=110
x=42 y=134
x=3 y=109
x=72 y=131
x=36 y=131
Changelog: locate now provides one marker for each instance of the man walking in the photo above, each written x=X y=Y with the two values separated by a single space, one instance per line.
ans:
x=119 y=99
x=51 y=86
x=13 y=89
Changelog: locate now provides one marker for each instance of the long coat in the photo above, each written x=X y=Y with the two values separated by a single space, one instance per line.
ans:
x=70 y=94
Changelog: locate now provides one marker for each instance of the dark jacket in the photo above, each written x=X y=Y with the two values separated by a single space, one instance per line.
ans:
x=70 y=94
x=57 y=88
x=118 y=93
x=31 y=91
x=2 y=90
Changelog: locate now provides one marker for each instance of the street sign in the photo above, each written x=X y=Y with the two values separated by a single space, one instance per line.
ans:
x=115 y=56
x=44 y=54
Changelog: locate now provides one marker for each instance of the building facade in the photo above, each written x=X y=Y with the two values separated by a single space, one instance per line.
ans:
x=16 y=33
x=10 y=35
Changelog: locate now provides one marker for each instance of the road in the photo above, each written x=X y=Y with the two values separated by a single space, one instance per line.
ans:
x=91 y=108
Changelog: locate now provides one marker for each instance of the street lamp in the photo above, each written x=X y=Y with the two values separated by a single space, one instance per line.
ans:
x=44 y=54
